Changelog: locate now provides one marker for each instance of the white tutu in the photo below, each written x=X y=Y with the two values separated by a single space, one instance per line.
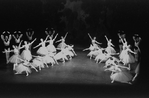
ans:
x=126 y=57
x=123 y=77
x=14 y=59
x=101 y=57
x=110 y=50
x=48 y=60
x=42 y=51
x=61 y=45
x=21 y=68
x=60 y=56
x=37 y=63
x=26 y=55
x=51 y=48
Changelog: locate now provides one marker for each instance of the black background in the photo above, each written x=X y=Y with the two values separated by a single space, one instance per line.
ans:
x=131 y=16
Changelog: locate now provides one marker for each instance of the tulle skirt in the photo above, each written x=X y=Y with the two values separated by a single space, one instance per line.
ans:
x=61 y=45
x=127 y=57
x=21 y=68
x=14 y=59
x=38 y=63
x=47 y=59
x=121 y=77
x=51 y=48
x=42 y=51
x=26 y=55
x=110 y=50
x=100 y=57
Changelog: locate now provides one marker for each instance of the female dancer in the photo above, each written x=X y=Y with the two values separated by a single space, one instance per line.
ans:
x=118 y=74
x=30 y=34
x=121 y=41
x=43 y=49
x=26 y=54
x=51 y=47
x=109 y=49
x=125 y=56
x=7 y=38
x=94 y=42
x=17 y=36
x=62 y=40
x=7 y=54
x=14 y=58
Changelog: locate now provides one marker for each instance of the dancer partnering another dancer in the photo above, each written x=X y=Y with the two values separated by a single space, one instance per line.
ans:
x=6 y=37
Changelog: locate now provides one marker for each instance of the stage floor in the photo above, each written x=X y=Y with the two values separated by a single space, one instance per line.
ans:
x=79 y=70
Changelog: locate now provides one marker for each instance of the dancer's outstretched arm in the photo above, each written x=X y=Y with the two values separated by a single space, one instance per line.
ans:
x=55 y=37
x=90 y=36
x=65 y=35
x=58 y=40
x=32 y=41
x=86 y=49
x=106 y=38
x=98 y=42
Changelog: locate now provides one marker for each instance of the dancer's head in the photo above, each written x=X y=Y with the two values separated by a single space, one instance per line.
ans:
x=41 y=40
x=94 y=38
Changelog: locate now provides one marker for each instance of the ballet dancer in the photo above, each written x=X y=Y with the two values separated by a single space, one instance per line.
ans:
x=62 y=42
x=121 y=41
x=17 y=36
x=6 y=37
x=26 y=53
x=109 y=49
x=7 y=52
x=51 y=47
x=29 y=34
x=94 y=42
x=125 y=56
x=14 y=58
x=43 y=49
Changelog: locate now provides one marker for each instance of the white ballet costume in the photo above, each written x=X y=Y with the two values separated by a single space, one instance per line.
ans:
x=26 y=54
x=51 y=47
x=42 y=50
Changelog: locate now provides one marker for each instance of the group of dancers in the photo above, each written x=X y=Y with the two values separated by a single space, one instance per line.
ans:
x=46 y=55
x=119 y=63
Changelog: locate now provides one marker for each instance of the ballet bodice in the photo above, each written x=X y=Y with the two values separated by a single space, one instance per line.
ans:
x=51 y=42
x=16 y=51
x=43 y=44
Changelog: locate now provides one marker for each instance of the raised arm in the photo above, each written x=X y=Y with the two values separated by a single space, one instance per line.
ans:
x=106 y=38
x=55 y=37
x=32 y=41
x=90 y=36
x=46 y=38
x=2 y=37
x=20 y=36
x=53 y=34
x=65 y=35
